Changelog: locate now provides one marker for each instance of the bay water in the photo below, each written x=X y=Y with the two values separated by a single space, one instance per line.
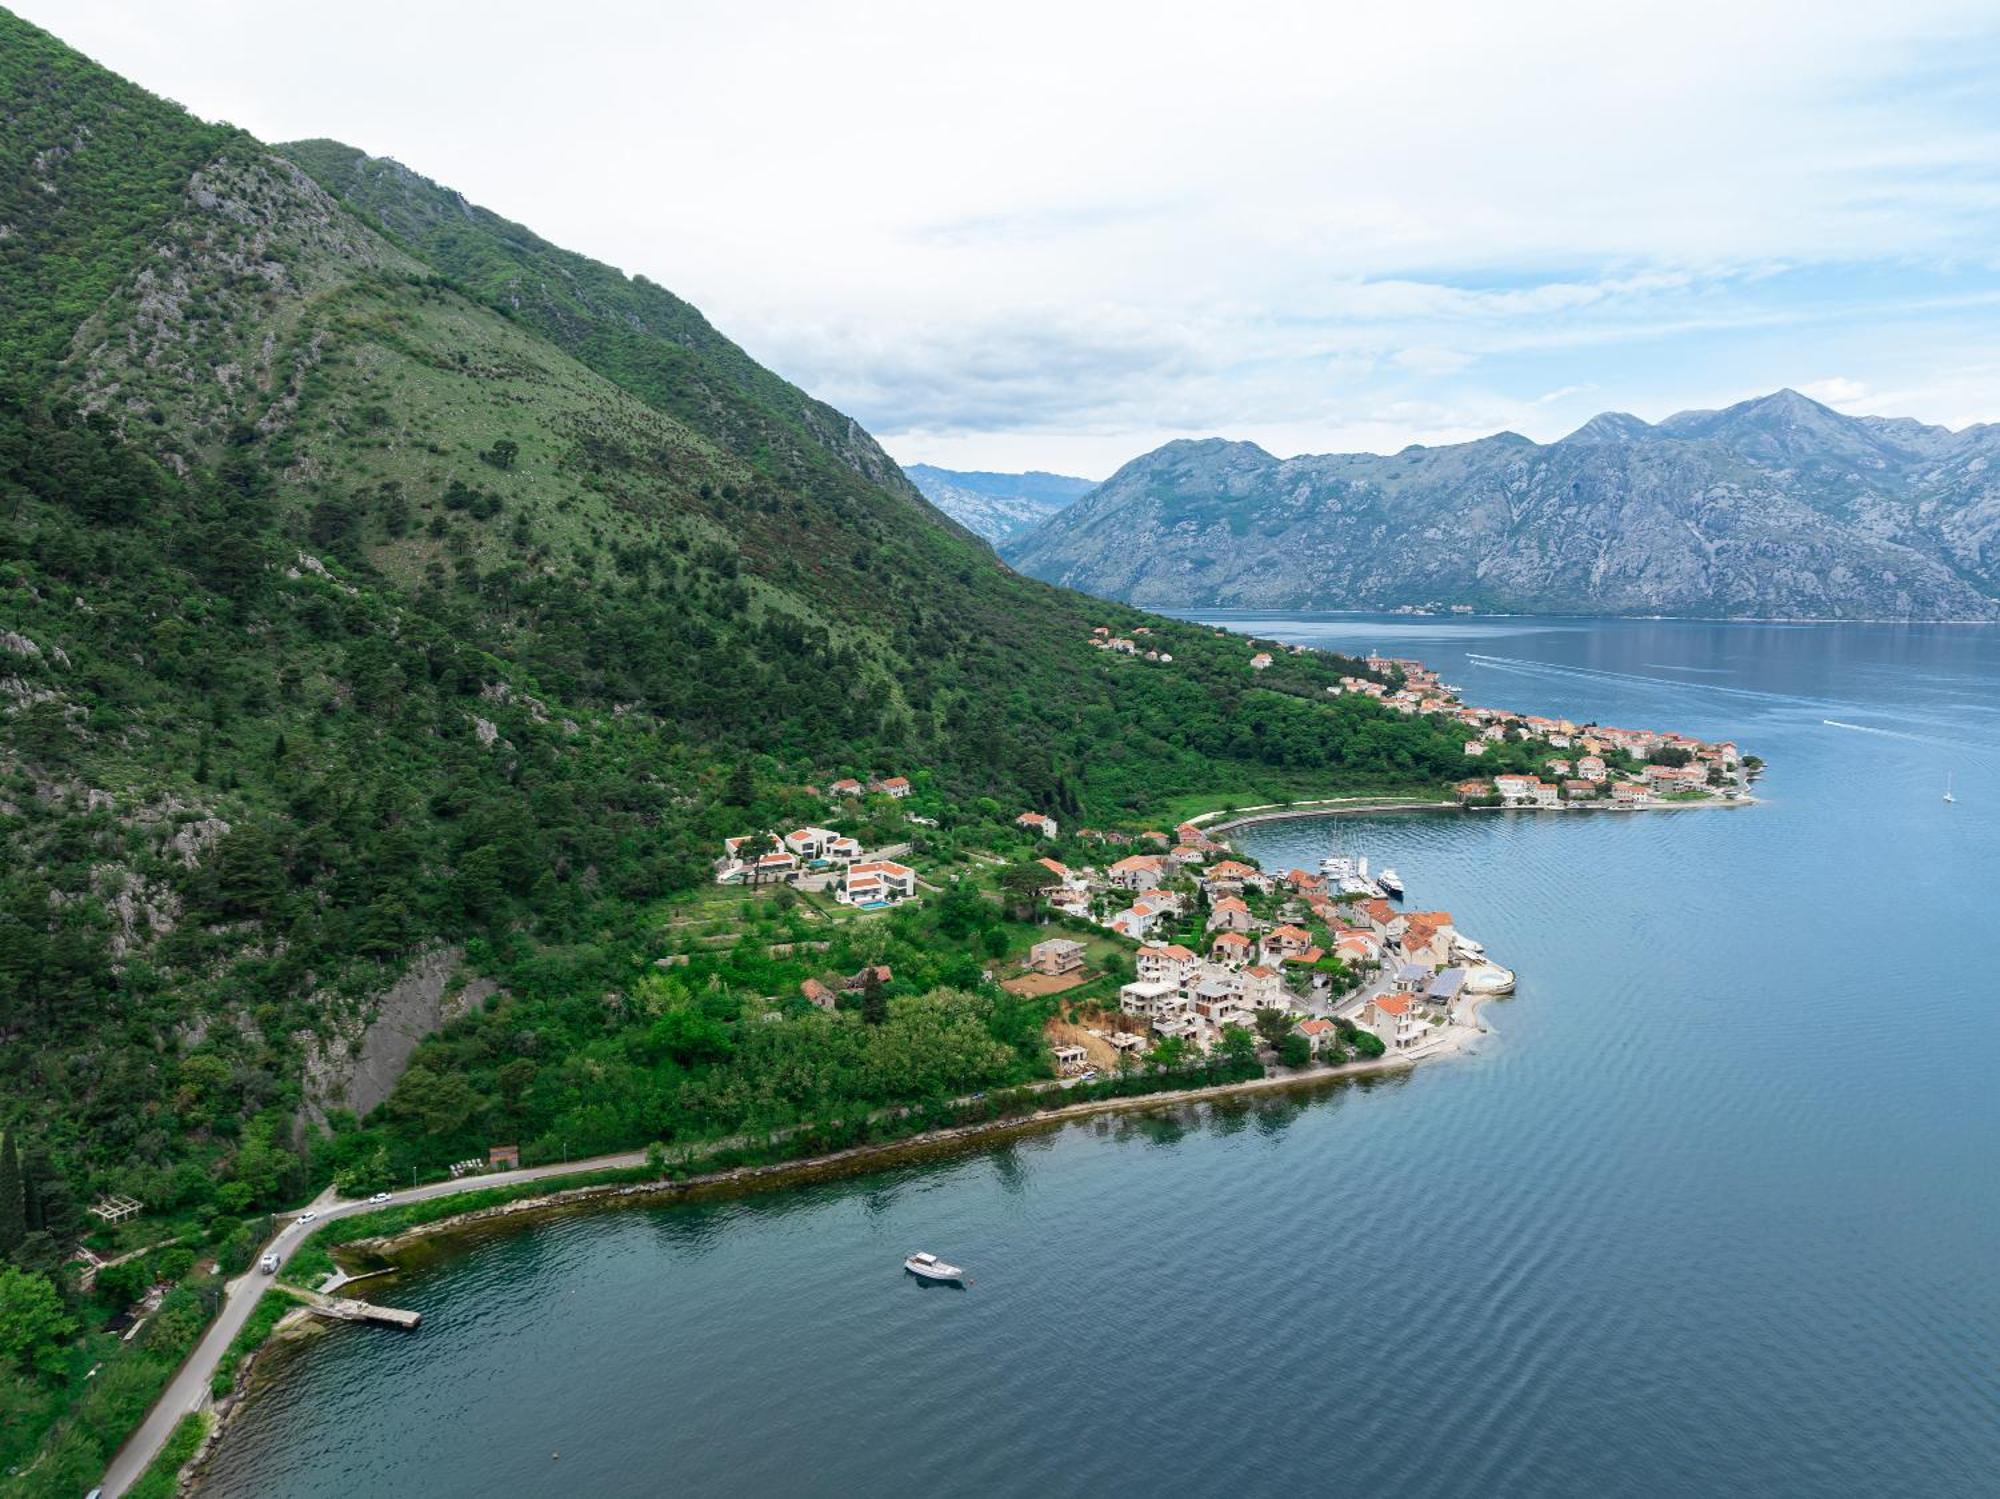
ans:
x=1713 y=1208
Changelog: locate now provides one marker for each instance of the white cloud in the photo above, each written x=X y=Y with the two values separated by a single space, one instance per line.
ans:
x=1838 y=391
x=1064 y=229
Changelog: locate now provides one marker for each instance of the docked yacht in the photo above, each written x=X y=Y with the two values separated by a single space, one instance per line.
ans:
x=1390 y=883
x=1348 y=873
x=930 y=1267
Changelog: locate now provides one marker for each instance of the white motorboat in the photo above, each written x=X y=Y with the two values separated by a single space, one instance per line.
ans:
x=1947 y=788
x=930 y=1267
x=1391 y=883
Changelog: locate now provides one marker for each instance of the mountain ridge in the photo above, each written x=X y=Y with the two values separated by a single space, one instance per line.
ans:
x=1774 y=507
x=386 y=588
x=997 y=506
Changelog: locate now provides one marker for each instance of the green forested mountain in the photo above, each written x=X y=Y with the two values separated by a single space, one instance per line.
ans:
x=379 y=580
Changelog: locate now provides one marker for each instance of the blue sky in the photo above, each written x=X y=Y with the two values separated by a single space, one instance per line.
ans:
x=1055 y=235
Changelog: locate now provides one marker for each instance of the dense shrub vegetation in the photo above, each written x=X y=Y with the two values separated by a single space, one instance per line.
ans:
x=362 y=599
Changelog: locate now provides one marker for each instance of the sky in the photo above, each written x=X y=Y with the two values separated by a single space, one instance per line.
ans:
x=1056 y=235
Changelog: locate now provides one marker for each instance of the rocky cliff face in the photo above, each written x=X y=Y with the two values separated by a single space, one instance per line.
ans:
x=999 y=507
x=1777 y=507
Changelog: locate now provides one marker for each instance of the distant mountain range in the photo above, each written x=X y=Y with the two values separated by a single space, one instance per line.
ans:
x=998 y=507
x=1777 y=508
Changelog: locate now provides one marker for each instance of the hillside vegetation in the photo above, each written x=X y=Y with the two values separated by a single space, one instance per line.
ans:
x=382 y=583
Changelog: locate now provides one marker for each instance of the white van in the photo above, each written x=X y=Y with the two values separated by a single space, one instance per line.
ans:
x=269 y=1264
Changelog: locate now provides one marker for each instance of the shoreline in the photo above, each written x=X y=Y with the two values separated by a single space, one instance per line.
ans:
x=929 y=1145
x=740 y=1181
x=385 y=1254
x=1299 y=811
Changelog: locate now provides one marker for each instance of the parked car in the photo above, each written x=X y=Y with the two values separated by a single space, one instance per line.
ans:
x=380 y=1197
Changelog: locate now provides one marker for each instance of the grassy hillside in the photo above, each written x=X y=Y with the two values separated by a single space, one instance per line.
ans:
x=379 y=580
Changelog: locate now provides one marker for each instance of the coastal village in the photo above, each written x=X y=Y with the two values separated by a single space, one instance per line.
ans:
x=1590 y=765
x=1157 y=946
x=1054 y=968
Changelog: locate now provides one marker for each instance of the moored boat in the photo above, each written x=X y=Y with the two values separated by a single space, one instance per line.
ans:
x=1391 y=883
x=930 y=1267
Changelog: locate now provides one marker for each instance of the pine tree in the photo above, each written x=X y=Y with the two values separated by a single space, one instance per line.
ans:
x=13 y=1200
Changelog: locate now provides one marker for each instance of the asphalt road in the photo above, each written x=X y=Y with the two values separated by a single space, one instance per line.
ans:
x=188 y=1390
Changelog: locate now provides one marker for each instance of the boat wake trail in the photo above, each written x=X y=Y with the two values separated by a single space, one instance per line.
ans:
x=1781 y=699
x=1862 y=728
x=1597 y=673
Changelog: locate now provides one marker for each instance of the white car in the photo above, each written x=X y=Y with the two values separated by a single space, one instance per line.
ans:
x=380 y=1197
x=305 y=1218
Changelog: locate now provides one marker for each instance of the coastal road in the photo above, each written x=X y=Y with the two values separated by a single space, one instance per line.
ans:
x=188 y=1390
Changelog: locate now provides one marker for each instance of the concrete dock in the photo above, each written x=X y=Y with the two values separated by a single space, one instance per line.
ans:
x=346 y=1309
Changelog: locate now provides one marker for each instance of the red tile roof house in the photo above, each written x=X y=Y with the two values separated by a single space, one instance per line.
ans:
x=891 y=785
x=1232 y=948
x=1358 y=947
x=1380 y=916
x=1427 y=937
x=1393 y=1018
x=1136 y=922
x=1038 y=823
x=1263 y=987
x=1138 y=871
x=1319 y=1032
x=822 y=843
x=1166 y=962
x=818 y=993
x=846 y=786
x=1674 y=777
x=1283 y=941
x=878 y=880
x=755 y=857
x=1229 y=914
x=1064 y=875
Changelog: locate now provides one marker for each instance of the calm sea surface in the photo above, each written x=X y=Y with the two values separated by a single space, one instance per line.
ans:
x=1714 y=1209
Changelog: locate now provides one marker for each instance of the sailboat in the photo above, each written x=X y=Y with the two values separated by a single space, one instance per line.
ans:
x=1947 y=788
